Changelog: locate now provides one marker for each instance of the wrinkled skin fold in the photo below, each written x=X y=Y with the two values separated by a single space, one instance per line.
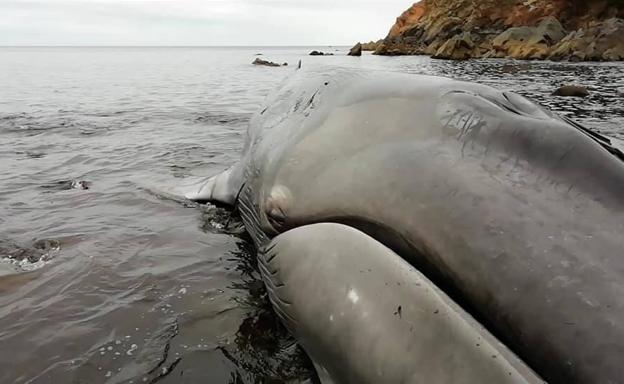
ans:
x=514 y=213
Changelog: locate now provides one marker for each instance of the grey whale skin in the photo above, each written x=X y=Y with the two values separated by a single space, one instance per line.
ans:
x=513 y=212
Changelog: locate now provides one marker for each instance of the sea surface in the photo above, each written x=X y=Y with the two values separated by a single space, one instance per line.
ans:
x=106 y=278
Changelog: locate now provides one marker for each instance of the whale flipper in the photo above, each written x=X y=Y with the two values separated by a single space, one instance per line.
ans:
x=220 y=188
x=367 y=316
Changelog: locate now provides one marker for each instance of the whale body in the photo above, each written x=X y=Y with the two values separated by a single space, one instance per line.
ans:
x=428 y=194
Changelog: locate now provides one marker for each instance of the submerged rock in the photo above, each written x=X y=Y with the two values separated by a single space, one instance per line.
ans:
x=65 y=185
x=356 y=50
x=571 y=90
x=23 y=258
x=533 y=30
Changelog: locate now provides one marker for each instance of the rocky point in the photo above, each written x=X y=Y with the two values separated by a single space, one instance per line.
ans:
x=575 y=30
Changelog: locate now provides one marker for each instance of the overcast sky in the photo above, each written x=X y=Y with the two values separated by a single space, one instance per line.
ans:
x=196 y=22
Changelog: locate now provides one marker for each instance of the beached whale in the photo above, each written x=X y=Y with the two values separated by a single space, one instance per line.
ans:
x=503 y=211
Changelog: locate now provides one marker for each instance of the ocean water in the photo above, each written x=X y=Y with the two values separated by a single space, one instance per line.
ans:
x=105 y=278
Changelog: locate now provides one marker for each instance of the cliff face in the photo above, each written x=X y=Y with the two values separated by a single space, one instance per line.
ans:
x=523 y=29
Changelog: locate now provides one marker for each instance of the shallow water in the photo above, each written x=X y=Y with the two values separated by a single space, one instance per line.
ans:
x=103 y=278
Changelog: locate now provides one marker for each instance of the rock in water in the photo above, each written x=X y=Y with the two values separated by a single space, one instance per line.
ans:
x=266 y=63
x=571 y=91
x=320 y=53
x=356 y=50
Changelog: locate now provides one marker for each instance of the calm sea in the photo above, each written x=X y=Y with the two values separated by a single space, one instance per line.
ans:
x=105 y=279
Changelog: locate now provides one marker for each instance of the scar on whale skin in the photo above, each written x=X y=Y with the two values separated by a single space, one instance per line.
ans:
x=277 y=205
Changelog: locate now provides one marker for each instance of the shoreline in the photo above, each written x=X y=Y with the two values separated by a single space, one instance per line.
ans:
x=556 y=30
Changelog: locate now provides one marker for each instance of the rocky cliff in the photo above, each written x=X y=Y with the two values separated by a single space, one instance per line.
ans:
x=578 y=30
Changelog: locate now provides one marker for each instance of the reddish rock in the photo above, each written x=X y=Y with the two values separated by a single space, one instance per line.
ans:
x=522 y=29
x=407 y=19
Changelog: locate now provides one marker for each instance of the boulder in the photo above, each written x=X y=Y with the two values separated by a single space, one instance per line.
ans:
x=603 y=41
x=529 y=42
x=571 y=91
x=356 y=50
x=459 y=47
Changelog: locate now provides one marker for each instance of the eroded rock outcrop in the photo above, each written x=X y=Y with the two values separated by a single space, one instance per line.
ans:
x=356 y=50
x=520 y=29
x=371 y=45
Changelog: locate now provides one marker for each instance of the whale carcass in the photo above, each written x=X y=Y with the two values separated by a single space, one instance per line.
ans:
x=421 y=229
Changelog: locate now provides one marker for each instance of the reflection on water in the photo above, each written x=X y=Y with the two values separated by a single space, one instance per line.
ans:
x=265 y=351
x=105 y=278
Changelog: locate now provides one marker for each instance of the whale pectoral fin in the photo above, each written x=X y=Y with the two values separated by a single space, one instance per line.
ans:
x=217 y=188
x=366 y=316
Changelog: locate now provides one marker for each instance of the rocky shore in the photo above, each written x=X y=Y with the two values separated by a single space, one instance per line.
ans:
x=575 y=30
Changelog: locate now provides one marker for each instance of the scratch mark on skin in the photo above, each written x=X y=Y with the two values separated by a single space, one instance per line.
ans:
x=309 y=105
x=398 y=312
x=450 y=118
x=565 y=154
x=462 y=130
x=491 y=138
x=472 y=134
x=297 y=105
x=467 y=124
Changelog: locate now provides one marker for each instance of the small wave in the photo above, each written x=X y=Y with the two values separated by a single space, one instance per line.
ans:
x=36 y=124
x=222 y=118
